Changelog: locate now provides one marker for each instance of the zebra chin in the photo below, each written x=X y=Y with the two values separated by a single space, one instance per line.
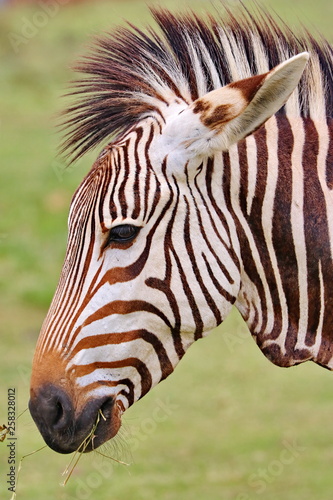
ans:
x=64 y=429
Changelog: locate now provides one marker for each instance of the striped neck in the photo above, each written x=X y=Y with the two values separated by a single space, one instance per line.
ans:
x=280 y=185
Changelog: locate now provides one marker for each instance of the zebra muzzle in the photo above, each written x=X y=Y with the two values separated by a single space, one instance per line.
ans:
x=64 y=429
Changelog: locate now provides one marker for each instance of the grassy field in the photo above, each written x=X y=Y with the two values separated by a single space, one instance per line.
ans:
x=227 y=424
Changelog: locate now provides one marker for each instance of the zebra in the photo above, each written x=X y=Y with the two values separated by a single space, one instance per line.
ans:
x=213 y=189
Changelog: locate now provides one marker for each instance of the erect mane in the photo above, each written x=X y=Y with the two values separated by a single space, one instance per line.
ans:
x=133 y=73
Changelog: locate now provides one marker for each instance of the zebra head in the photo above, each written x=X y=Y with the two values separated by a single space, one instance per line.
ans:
x=152 y=262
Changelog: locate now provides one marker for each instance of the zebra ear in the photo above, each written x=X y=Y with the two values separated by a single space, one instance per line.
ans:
x=225 y=116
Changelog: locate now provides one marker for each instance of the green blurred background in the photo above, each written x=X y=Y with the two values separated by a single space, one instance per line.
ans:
x=227 y=424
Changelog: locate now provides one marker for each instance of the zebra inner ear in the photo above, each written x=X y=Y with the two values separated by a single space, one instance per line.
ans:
x=224 y=116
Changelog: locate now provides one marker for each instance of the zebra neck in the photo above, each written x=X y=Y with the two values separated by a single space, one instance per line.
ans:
x=280 y=195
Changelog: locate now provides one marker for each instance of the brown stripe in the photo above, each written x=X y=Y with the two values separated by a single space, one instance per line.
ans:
x=122 y=187
x=282 y=236
x=108 y=383
x=146 y=380
x=125 y=307
x=315 y=227
x=149 y=173
x=244 y=184
x=106 y=339
x=329 y=159
x=105 y=182
x=138 y=169
x=116 y=163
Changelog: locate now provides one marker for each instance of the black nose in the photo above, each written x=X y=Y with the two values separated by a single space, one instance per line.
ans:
x=62 y=428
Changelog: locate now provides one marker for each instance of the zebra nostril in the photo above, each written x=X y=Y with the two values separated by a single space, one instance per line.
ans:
x=51 y=409
x=60 y=411
x=59 y=414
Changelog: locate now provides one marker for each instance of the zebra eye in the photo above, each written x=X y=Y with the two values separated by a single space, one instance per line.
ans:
x=122 y=233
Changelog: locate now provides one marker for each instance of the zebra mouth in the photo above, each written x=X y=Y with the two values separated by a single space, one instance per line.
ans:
x=102 y=429
x=63 y=430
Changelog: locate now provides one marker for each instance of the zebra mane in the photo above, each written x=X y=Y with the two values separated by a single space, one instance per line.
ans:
x=133 y=73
